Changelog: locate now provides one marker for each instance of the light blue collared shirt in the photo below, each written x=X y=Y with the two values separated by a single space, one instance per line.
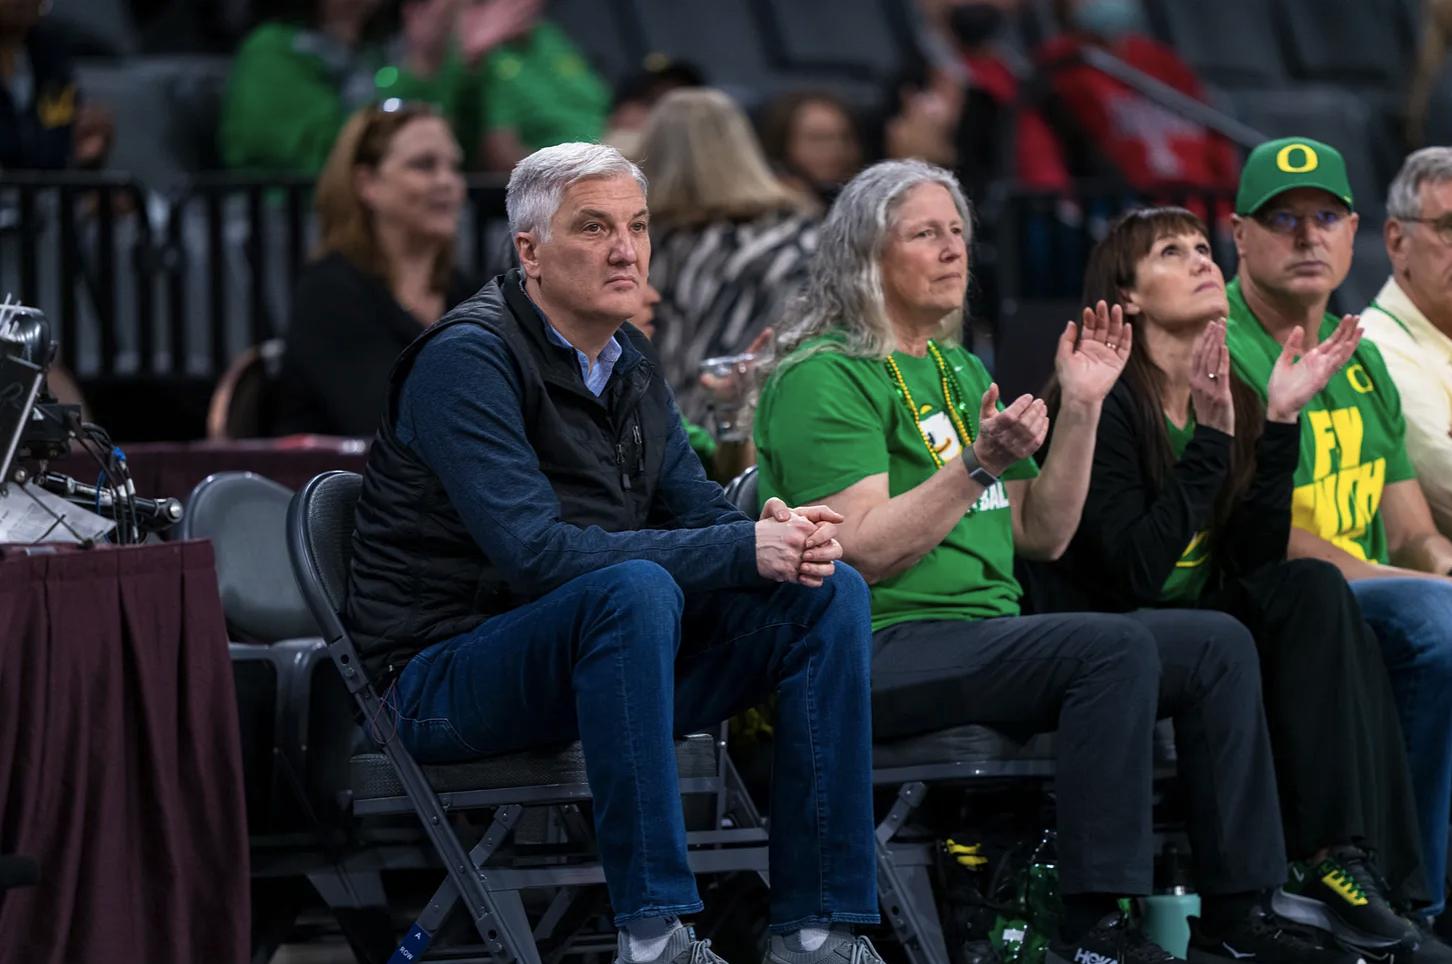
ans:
x=596 y=377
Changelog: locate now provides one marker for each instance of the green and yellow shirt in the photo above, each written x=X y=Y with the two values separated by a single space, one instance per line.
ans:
x=1352 y=437
x=830 y=420
x=1186 y=582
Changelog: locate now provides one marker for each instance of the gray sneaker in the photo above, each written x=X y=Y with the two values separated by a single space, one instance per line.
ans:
x=681 y=948
x=841 y=947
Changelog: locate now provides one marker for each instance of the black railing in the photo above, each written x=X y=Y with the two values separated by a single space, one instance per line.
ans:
x=140 y=286
x=153 y=297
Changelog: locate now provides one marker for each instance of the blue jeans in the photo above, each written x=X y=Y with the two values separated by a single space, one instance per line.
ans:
x=621 y=660
x=1412 y=618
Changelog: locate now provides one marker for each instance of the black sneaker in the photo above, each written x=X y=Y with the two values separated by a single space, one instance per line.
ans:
x=1263 y=937
x=1428 y=948
x=1114 y=940
x=1345 y=895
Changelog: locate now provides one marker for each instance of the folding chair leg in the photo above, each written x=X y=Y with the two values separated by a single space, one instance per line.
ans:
x=906 y=893
x=511 y=909
x=421 y=934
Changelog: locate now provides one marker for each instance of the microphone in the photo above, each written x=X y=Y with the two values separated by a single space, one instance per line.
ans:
x=153 y=513
x=18 y=872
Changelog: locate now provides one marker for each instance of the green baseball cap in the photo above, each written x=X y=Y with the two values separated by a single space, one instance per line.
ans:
x=1277 y=166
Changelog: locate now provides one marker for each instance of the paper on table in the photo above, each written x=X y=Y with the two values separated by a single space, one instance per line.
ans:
x=24 y=518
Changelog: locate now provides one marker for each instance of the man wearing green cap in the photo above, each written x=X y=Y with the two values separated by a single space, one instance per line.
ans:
x=1356 y=501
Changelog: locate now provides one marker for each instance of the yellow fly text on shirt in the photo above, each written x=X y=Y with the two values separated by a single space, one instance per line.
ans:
x=1342 y=501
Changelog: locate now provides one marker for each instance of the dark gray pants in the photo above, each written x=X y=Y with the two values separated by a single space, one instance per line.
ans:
x=1101 y=681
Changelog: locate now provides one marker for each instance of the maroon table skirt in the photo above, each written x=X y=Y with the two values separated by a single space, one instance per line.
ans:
x=120 y=767
x=171 y=469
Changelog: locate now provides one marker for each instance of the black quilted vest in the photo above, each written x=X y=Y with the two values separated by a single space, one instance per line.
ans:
x=417 y=576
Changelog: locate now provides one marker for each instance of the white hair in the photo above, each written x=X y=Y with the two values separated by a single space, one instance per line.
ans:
x=1429 y=165
x=844 y=284
x=538 y=183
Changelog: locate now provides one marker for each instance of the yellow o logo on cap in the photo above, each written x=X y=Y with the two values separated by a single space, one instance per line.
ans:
x=1309 y=160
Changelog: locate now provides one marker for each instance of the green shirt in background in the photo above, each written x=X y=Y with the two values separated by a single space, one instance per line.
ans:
x=830 y=420
x=1187 y=581
x=1352 y=436
x=541 y=87
x=291 y=90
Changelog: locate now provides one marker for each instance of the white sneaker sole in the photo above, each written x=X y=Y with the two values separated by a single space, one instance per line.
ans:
x=1313 y=913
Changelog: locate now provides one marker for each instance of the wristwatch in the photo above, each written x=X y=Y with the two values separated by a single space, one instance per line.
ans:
x=975 y=469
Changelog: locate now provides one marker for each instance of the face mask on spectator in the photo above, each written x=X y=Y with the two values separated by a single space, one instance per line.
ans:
x=975 y=23
x=1109 y=19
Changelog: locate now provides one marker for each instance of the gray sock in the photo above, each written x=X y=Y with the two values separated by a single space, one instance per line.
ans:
x=787 y=948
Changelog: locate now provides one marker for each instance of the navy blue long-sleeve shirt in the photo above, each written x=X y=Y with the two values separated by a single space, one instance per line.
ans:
x=460 y=412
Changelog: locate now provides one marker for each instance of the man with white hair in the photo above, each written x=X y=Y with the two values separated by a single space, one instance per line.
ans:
x=1411 y=318
x=539 y=558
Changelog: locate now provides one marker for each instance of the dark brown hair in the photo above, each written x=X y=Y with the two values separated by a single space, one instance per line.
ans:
x=781 y=116
x=1110 y=272
x=345 y=223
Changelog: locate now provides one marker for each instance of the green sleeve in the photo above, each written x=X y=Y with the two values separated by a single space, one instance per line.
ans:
x=499 y=100
x=1399 y=466
x=281 y=112
x=818 y=430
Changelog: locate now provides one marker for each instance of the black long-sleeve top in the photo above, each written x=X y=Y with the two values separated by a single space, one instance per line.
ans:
x=345 y=333
x=1133 y=532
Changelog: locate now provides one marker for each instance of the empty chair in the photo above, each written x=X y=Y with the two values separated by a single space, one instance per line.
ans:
x=1230 y=43
x=1345 y=43
x=240 y=403
x=101 y=28
x=861 y=36
x=599 y=28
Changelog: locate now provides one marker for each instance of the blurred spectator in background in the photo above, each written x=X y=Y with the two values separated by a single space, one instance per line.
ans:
x=296 y=78
x=810 y=137
x=1411 y=318
x=723 y=460
x=924 y=106
x=1001 y=132
x=1431 y=56
x=730 y=242
x=637 y=95
x=388 y=206
x=1107 y=129
x=43 y=123
x=538 y=89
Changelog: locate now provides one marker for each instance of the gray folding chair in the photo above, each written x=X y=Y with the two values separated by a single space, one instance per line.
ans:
x=390 y=781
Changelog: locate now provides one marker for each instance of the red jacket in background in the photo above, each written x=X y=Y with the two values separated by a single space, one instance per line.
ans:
x=1148 y=145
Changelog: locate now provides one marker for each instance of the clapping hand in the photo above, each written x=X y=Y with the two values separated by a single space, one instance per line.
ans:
x=1010 y=435
x=797 y=545
x=1091 y=355
x=1210 y=379
x=1299 y=374
x=486 y=24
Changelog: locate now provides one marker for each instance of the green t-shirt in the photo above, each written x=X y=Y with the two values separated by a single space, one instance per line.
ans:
x=1186 y=582
x=1352 y=437
x=829 y=421
x=541 y=87
x=287 y=98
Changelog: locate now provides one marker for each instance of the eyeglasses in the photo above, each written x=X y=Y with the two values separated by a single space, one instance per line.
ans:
x=1282 y=221
x=1442 y=226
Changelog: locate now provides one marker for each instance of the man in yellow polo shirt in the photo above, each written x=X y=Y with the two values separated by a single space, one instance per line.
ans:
x=1356 y=502
x=1411 y=319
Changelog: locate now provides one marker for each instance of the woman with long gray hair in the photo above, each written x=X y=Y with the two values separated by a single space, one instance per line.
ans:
x=877 y=410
